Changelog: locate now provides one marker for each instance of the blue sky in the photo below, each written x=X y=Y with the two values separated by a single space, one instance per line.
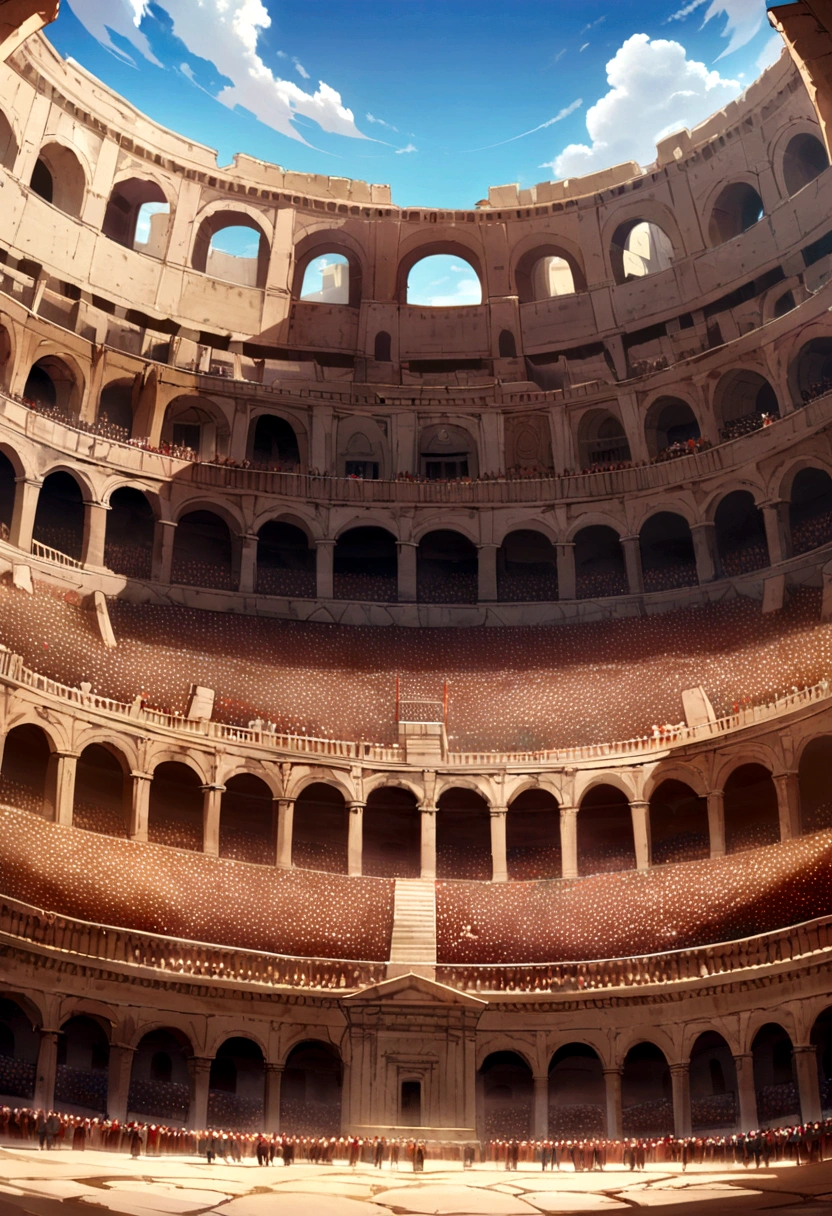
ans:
x=438 y=98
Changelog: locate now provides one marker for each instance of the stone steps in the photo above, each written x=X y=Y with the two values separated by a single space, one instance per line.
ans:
x=413 y=943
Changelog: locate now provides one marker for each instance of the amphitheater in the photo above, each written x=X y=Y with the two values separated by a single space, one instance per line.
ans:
x=416 y=721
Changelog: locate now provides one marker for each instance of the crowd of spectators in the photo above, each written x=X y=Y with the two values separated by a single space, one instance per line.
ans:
x=744 y=557
x=682 y=447
x=92 y=816
x=578 y=1120
x=716 y=1110
x=438 y=583
x=201 y=572
x=745 y=425
x=778 y=1101
x=669 y=575
x=652 y=1118
x=811 y=531
x=375 y=588
x=534 y=586
x=685 y=846
x=133 y=560
x=280 y=580
x=594 y=584
x=817 y=388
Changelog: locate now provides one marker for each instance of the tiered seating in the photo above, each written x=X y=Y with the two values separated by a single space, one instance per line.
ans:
x=196 y=572
x=145 y=887
x=81 y=1087
x=17 y=1077
x=133 y=561
x=274 y=580
x=376 y=588
x=596 y=584
x=240 y=844
x=669 y=575
x=161 y=1099
x=720 y=1110
x=777 y=1102
x=744 y=559
x=94 y=818
x=310 y=1118
x=689 y=846
x=648 y=1118
x=578 y=1121
x=463 y=860
x=513 y=1123
x=543 y=861
x=529 y=587
x=230 y=1110
x=812 y=532
x=14 y=793
x=439 y=586
x=176 y=833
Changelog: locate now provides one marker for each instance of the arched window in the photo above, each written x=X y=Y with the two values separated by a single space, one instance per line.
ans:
x=671 y=428
x=552 y=276
x=59 y=519
x=678 y=824
x=115 y=409
x=751 y=815
x=774 y=1082
x=810 y=510
x=443 y=280
x=605 y=832
x=639 y=248
x=365 y=566
x=319 y=837
x=599 y=563
x=740 y=534
x=310 y=1092
x=810 y=374
x=737 y=208
x=447 y=453
x=202 y=552
x=577 y=1101
x=463 y=835
x=59 y=178
x=128 y=547
x=286 y=562
x=545 y=272
x=392 y=834
x=815 y=793
x=646 y=1102
x=138 y=217
x=744 y=401
x=533 y=836
x=195 y=427
x=23 y=778
x=273 y=442
x=446 y=569
x=326 y=280
x=236 y=1086
x=52 y=385
x=83 y=1059
x=507 y=345
x=159 y=1078
x=230 y=245
x=382 y=347
x=100 y=794
x=804 y=159
x=175 y=814
x=667 y=556
x=713 y=1084
x=602 y=441
x=508 y=1096
x=18 y=1050
x=247 y=820
x=527 y=568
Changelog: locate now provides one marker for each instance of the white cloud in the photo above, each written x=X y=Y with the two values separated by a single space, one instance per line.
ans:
x=583 y=48
x=655 y=89
x=467 y=291
x=770 y=53
x=407 y=148
x=379 y=122
x=225 y=33
x=300 y=69
x=744 y=18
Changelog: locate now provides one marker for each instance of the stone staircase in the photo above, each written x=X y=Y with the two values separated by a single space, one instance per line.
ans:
x=413 y=944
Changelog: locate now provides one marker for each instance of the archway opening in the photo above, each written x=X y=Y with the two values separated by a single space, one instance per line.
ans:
x=392 y=834
x=602 y=443
x=821 y=1040
x=713 y=1085
x=533 y=836
x=310 y=1092
x=175 y=815
x=810 y=510
x=59 y=518
x=605 y=832
x=463 y=835
x=599 y=563
x=804 y=159
x=552 y=276
x=236 y=1086
x=326 y=280
x=740 y=534
x=671 y=429
x=751 y=815
x=128 y=547
x=8 y=489
x=365 y=566
x=737 y=208
x=159 y=1080
x=744 y=401
x=26 y=755
x=285 y=561
x=639 y=248
x=815 y=792
x=527 y=567
x=59 y=178
x=577 y=1094
x=115 y=410
x=382 y=347
x=273 y=443
x=83 y=1061
x=646 y=1094
x=508 y=1096
x=678 y=823
x=447 y=453
x=194 y=428
x=507 y=345
x=247 y=820
x=667 y=555
x=202 y=553
x=443 y=280
x=19 y=1046
x=810 y=374
x=51 y=385
x=774 y=1079
x=138 y=217
x=101 y=803
x=231 y=246
x=446 y=569
x=321 y=829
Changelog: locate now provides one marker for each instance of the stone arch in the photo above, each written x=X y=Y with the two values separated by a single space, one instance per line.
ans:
x=160 y=1083
x=676 y=770
x=392 y=833
x=576 y=1093
x=195 y=426
x=115 y=408
x=740 y=534
x=751 y=809
x=527 y=566
x=204 y=549
x=237 y=1084
x=321 y=243
x=810 y=370
x=55 y=382
x=813 y=780
x=60 y=178
x=605 y=830
x=59 y=518
x=713 y=1084
x=19 y=1045
x=275 y=440
x=533 y=835
x=640 y=245
x=175 y=816
x=311 y=1088
x=804 y=159
x=9 y=143
x=736 y=208
x=447 y=453
x=129 y=214
x=286 y=558
x=382 y=347
x=600 y=570
x=602 y=440
x=103 y=793
x=530 y=284
x=463 y=834
x=454 y=245
x=670 y=426
x=130 y=533
x=83 y=1062
x=507 y=1082
x=646 y=1094
x=743 y=400
x=321 y=828
x=365 y=565
x=251 y=271
x=668 y=559
x=678 y=823
x=248 y=822
x=446 y=568
x=362 y=449
x=810 y=509
x=774 y=1076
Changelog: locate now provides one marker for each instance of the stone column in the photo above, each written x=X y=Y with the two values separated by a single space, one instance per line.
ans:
x=407 y=590
x=199 y=1068
x=140 y=805
x=566 y=569
x=164 y=534
x=612 y=1083
x=355 y=840
x=640 y=814
x=569 y=841
x=499 y=864
x=808 y=1084
x=271 y=1103
x=60 y=786
x=211 y=807
x=487 y=572
x=716 y=822
x=788 y=804
x=118 y=1081
x=323 y=566
x=680 y=1082
x=428 y=841
x=26 y=495
x=778 y=532
x=46 y=1070
x=285 y=824
x=541 y=1108
x=248 y=564
x=708 y=565
x=95 y=532
x=746 y=1092
x=632 y=561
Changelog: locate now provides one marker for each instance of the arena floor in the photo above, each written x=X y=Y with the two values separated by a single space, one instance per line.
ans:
x=67 y=1184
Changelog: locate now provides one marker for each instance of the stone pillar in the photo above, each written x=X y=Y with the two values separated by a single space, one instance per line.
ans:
x=118 y=1081
x=248 y=564
x=566 y=569
x=95 y=532
x=788 y=804
x=746 y=1092
x=428 y=841
x=632 y=561
x=199 y=1068
x=569 y=841
x=541 y=1108
x=716 y=822
x=211 y=807
x=355 y=840
x=487 y=572
x=407 y=591
x=708 y=565
x=499 y=864
x=612 y=1083
x=26 y=493
x=808 y=1085
x=271 y=1103
x=640 y=815
x=164 y=534
x=140 y=805
x=60 y=786
x=285 y=824
x=778 y=531
x=46 y=1070
x=680 y=1082
x=323 y=566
